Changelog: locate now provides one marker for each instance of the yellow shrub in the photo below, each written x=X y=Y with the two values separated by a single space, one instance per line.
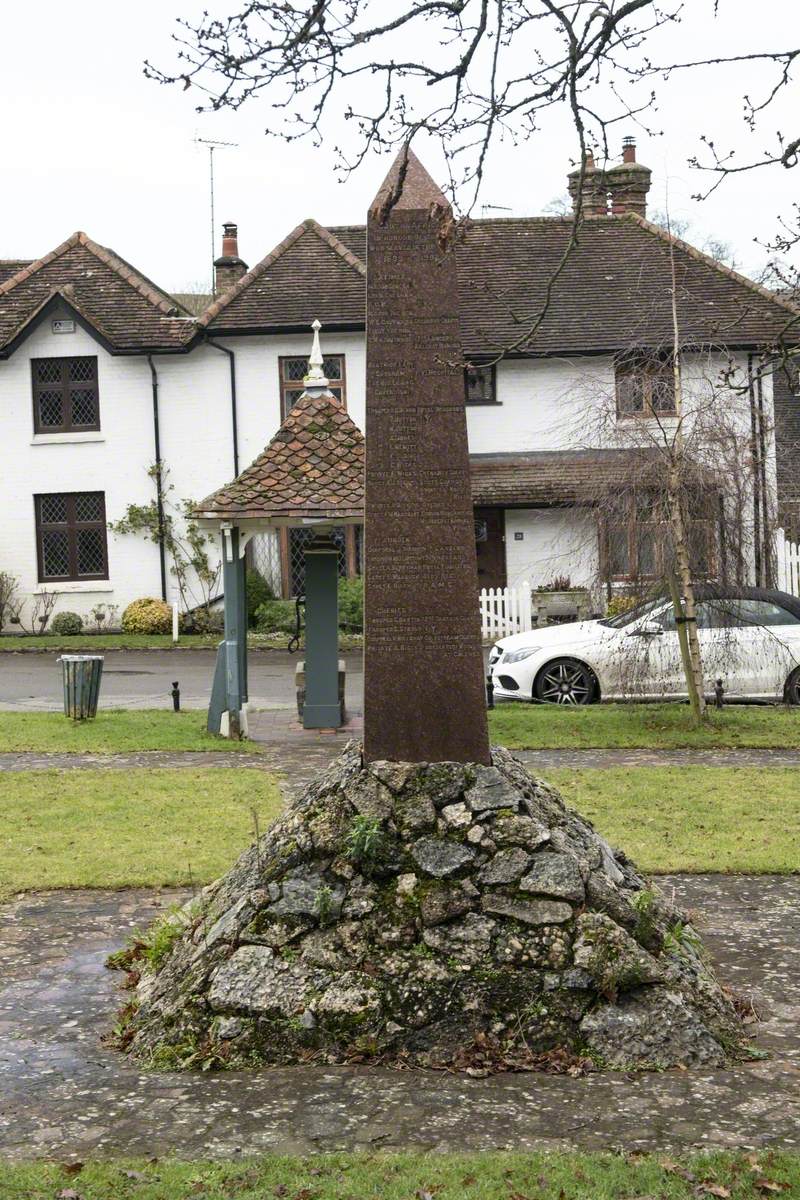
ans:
x=147 y=616
x=621 y=603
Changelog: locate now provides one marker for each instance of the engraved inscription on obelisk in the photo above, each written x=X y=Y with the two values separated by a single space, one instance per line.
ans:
x=424 y=695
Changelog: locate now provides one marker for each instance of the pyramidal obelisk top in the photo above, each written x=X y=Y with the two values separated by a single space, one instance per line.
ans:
x=424 y=695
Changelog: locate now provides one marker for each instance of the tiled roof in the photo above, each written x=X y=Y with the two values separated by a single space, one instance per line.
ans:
x=310 y=267
x=313 y=467
x=10 y=266
x=554 y=477
x=614 y=292
x=131 y=313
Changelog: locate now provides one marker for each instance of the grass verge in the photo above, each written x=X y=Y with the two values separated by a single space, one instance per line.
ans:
x=138 y=828
x=487 y=1176
x=96 y=643
x=646 y=726
x=113 y=731
x=695 y=819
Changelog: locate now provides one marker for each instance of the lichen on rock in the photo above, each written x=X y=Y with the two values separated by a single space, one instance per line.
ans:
x=418 y=913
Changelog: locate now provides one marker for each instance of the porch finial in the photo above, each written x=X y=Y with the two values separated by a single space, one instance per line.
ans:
x=316 y=374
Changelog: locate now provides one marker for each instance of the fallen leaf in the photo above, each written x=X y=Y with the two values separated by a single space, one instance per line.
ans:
x=770 y=1185
x=72 y=1168
x=468 y=1180
x=706 y=1188
x=68 y=1194
x=421 y=1194
x=281 y=1190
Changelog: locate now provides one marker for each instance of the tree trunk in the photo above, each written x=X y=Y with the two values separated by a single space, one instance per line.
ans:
x=683 y=600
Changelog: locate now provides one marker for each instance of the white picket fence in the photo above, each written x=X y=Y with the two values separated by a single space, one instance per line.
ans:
x=505 y=611
x=788 y=564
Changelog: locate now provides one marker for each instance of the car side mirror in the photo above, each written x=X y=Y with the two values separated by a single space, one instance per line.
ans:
x=648 y=629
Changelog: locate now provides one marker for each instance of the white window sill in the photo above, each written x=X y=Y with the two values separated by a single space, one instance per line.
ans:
x=65 y=439
x=74 y=585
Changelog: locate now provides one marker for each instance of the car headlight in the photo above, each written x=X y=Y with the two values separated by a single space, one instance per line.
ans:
x=495 y=654
x=518 y=655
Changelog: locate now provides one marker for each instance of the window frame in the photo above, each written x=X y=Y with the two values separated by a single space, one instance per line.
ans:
x=479 y=366
x=648 y=367
x=632 y=525
x=64 y=386
x=72 y=527
x=297 y=385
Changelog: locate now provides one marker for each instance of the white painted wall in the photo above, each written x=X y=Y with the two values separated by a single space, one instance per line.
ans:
x=544 y=542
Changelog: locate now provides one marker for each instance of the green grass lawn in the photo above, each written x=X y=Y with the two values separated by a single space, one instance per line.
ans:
x=650 y=726
x=487 y=1176
x=112 y=731
x=106 y=828
x=96 y=643
x=696 y=819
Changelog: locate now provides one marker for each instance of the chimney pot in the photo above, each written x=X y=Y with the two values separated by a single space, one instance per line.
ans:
x=629 y=149
x=229 y=268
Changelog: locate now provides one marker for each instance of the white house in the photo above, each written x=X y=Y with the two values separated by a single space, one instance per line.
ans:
x=102 y=373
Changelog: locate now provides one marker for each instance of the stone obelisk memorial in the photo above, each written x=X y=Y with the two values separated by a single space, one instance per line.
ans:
x=424 y=694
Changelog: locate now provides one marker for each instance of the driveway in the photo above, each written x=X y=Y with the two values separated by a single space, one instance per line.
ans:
x=143 y=679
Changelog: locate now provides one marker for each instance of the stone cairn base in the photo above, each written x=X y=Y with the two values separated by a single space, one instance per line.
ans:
x=434 y=914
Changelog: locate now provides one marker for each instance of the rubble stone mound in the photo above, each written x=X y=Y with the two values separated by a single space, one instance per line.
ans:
x=435 y=914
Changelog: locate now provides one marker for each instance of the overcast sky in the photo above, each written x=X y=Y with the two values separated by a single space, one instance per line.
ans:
x=90 y=144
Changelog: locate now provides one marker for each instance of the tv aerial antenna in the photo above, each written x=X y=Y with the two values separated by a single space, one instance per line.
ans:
x=212 y=146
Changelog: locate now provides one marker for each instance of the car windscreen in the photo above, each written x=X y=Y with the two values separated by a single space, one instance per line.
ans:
x=632 y=614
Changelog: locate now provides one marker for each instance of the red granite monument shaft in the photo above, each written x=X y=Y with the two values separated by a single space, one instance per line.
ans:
x=424 y=695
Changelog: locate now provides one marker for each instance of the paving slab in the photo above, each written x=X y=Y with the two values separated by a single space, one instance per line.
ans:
x=64 y=1095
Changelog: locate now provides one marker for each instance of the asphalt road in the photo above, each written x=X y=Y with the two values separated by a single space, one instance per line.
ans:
x=143 y=679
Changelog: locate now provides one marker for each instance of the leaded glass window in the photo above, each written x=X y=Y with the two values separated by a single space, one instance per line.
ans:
x=65 y=396
x=71 y=536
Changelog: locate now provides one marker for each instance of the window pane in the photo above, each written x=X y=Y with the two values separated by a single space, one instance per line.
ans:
x=630 y=392
x=90 y=551
x=478 y=384
x=618 y=553
x=55 y=553
x=81 y=369
x=337 y=392
x=294 y=369
x=48 y=370
x=84 y=410
x=646 y=546
x=89 y=507
x=50 y=408
x=53 y=509
x=663 y=393
x=333 y=367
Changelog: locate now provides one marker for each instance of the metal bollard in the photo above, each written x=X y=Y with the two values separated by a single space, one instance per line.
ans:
x=176 y=696
x=719 y=692
x=489 y=691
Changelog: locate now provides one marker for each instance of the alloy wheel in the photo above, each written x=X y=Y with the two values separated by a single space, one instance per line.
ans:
x=564 y=683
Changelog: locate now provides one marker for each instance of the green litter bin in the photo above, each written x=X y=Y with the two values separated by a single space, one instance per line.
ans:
x=81 y=675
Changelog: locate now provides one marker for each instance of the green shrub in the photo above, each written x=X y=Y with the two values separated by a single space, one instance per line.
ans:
x=351 y=604
x=276 y=616
x=258 y=592
x=621 y=603
x=67 y=624
x=147 y=616
x=203 y=620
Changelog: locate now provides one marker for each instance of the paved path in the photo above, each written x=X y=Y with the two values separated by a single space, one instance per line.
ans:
x=63 y=1095
x=291 y=749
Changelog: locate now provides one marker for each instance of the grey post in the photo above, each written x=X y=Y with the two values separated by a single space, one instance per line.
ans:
x=322 y=709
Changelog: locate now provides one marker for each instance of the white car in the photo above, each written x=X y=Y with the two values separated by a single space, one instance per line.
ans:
x=749 y=638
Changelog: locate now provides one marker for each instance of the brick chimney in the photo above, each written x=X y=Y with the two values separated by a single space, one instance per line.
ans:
x=228 y=268
x=616 y=190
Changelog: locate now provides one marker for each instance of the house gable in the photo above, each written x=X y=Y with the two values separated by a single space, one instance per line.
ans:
x=127 y=312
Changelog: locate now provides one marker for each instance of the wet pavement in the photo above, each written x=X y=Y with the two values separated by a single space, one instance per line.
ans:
x=66 y=1096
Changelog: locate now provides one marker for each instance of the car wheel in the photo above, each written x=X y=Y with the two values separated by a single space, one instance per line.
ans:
x=792 y=690
x=564 y=681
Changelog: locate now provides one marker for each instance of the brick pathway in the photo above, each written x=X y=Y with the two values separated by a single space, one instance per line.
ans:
x=65 y=1096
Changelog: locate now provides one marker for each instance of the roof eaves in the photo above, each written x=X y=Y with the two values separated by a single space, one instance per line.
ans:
x=217 y=306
